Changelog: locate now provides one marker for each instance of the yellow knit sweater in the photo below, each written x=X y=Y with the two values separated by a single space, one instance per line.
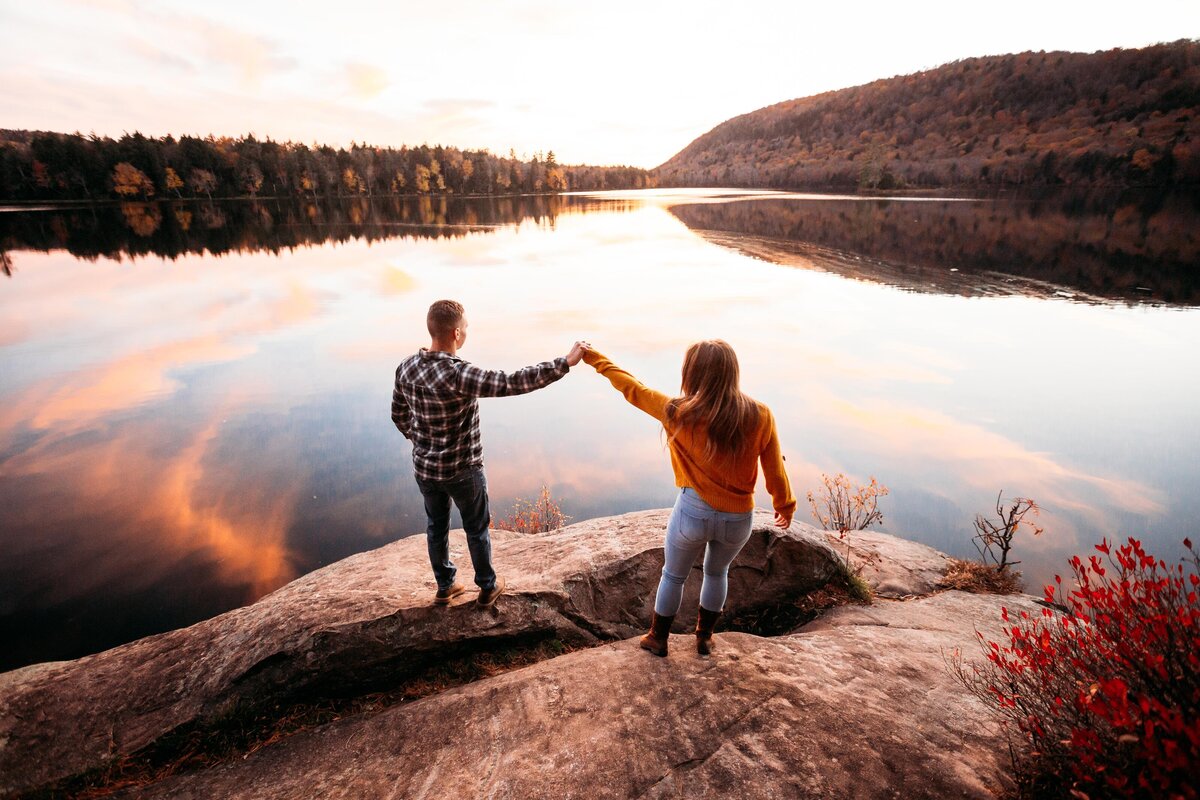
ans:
x=728 y=486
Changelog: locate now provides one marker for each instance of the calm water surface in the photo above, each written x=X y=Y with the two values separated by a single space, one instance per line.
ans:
x=194 y=398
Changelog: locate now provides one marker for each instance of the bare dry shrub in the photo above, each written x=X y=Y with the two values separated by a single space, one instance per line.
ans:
x=994 y=537
x=843 y=507
x=540 y=516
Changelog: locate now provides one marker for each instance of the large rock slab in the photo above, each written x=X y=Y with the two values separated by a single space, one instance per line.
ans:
x=365 y=622
x=894 y=568
x=859 y=704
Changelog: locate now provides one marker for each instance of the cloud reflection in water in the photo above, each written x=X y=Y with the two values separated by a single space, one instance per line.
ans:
x=195 y=432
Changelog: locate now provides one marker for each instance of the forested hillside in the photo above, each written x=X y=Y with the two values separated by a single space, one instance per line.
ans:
x=1119 y=117
x=36 y=165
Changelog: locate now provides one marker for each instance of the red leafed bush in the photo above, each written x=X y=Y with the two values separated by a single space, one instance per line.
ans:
x=1104 y=697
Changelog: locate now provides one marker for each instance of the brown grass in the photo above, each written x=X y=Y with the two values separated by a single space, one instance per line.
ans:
x=979 y=578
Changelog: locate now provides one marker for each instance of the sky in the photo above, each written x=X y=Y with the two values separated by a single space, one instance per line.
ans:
x=617 y=82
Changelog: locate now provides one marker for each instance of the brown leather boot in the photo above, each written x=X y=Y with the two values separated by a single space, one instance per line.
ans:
x=705 y=622
x=660 y=631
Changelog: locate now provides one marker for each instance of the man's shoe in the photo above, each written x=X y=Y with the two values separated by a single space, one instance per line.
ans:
x=444 y=596
x=706 y=621
x=487 y=597
x=660 y=633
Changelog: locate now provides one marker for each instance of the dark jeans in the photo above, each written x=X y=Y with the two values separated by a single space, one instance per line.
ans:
x=468 y=490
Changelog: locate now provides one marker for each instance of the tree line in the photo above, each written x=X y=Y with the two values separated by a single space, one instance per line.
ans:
x=1118 y=117
x=39 y=165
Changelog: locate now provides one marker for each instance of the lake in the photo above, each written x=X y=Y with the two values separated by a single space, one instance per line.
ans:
x=194 y=397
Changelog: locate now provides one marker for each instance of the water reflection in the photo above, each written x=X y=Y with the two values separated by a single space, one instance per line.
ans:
x=172 y=229
x=178 y=437
x=1130 y=246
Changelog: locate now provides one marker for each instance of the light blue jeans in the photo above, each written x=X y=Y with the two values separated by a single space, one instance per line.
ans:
x=696 y=527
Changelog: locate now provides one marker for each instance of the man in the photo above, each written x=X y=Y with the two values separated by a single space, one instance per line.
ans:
x=434 y=405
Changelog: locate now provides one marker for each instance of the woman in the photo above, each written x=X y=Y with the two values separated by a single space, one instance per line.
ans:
x=716 y=435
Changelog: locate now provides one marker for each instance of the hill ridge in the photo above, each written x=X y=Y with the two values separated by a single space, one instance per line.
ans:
x=1113 y=117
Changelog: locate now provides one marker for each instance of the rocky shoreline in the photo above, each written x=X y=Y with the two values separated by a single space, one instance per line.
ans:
x=856 y=703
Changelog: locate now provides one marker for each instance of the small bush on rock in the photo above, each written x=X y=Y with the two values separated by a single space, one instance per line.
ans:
x=840 y=506
x=541 y=516
x=994 y=537
x=1104 y=699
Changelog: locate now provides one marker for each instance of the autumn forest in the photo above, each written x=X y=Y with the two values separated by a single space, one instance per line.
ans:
x=1112 y=118
x=56 y=166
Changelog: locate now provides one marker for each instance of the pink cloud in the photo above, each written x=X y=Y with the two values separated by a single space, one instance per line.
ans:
x=987 y=460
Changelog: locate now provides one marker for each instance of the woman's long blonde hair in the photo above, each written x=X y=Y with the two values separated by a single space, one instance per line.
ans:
x=713 y=401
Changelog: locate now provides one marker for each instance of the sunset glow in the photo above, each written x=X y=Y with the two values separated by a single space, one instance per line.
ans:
x=198 y=402
x=618 y=82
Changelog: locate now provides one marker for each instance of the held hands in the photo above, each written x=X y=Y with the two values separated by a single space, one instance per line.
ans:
x=781 y=521
x=576 y=354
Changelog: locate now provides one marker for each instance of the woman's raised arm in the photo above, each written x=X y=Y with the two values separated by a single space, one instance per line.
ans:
x=652 y=402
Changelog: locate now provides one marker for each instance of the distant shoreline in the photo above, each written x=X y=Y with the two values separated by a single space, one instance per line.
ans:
x=55 y=205
x=925 y=192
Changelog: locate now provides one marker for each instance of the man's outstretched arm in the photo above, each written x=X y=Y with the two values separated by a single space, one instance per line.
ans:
x=476 y=382
x=401 y=413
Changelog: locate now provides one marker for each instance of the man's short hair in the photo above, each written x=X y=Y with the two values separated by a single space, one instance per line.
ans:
x=443 y=318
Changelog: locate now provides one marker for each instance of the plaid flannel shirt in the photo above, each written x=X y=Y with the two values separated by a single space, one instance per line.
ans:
x=434 y=405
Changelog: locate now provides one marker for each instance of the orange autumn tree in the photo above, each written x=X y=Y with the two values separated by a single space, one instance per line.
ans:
x=129 y=181
x=172 y=181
